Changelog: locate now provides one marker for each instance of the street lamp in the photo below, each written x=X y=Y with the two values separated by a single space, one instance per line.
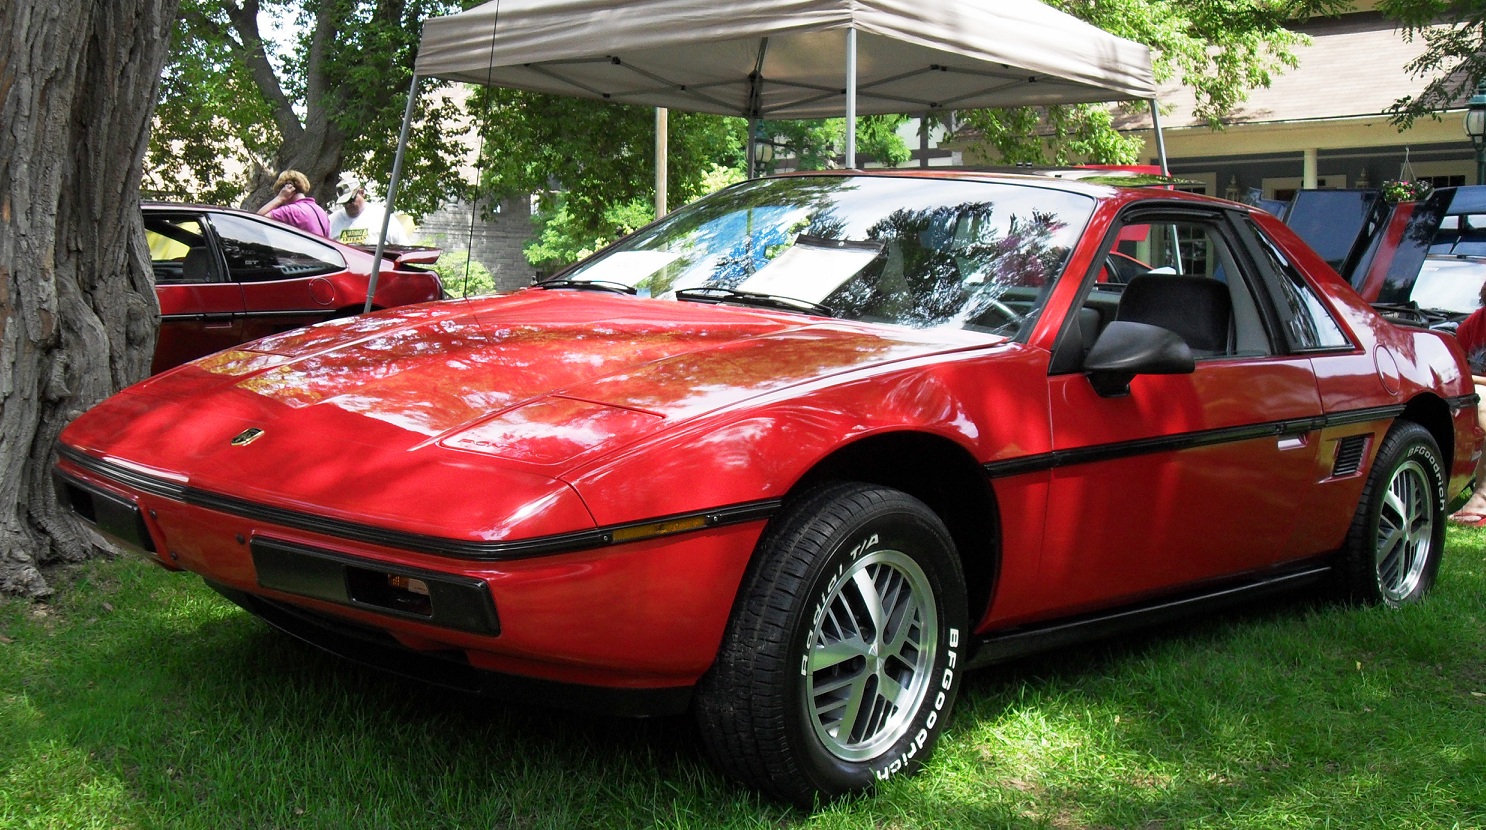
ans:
x=1475 y=127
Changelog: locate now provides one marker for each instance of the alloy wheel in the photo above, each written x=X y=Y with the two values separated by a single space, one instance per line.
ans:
x=1405 y=532
x=871 y=650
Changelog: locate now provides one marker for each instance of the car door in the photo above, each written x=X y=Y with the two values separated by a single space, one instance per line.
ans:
x=282 y=274
x=1184 y=478
x=200 y=309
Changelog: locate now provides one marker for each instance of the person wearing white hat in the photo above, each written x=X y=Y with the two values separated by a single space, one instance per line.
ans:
x=356 y=221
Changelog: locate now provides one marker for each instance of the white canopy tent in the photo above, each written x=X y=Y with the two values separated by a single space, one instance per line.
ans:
x=787 y=58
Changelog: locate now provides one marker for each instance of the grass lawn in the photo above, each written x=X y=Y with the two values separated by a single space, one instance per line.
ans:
x=138 y=698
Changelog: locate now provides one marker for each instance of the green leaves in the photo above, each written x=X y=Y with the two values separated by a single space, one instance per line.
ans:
x=315 y=85
x=323 y=89
x=1454 y=58
x=599 y=154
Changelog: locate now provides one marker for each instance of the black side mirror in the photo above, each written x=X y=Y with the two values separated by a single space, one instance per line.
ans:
x=1125 y=349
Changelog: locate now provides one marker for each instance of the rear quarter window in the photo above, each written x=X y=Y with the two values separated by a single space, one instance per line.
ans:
x=1305 y=321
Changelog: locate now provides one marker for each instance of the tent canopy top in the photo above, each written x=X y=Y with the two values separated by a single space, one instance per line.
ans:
x=786 y=58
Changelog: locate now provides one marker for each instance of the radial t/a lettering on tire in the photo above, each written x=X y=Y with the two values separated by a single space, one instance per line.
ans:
x=843 y=655
x=1398 y=532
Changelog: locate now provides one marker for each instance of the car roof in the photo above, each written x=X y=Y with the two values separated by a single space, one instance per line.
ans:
x=1118 y=185
x=162 y=205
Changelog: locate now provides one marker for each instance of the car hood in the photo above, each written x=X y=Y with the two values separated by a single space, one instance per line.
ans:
x=498 y=395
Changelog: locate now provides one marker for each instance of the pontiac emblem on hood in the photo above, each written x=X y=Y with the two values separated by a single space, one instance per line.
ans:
x=247 y=437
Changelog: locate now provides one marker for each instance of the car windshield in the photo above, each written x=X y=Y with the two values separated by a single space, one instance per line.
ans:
x=909 y=251
x=1460 y=235
x=1448 y=284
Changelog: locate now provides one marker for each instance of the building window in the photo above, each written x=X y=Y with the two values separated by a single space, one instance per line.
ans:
x=1283 y=189
x=1443 y=181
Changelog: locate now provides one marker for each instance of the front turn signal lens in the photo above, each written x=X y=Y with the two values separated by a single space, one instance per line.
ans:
x=407 y=583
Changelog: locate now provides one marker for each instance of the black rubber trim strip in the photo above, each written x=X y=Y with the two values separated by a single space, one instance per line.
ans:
x=1184 y=441
x=449 y=669
x=416 y=542
x=998 y=647
x=1460 y=402
x=323 y=312
x=1362 y=416
x=201 y=316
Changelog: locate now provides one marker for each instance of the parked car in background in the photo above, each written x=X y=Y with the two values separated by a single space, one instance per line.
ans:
x=225 y=276
x=1431 y=256
x=1337 y=224
x=798 y=455
x=1420 y=262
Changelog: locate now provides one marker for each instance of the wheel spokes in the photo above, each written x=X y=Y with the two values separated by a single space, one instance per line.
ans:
x=1405 y=532
x=828 y=655
x=867 y=664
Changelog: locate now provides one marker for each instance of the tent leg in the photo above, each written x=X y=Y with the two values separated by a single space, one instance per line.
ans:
x=923 y=140
x=1160 y=139
x=402 y=147
x=752 y=152
x=851 y=99
x=662 y=159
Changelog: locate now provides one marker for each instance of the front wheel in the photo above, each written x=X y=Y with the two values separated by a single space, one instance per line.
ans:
x=844 y=652
x=1398 y=532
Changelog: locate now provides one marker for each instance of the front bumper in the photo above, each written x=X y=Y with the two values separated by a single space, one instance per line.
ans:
x=637 y=610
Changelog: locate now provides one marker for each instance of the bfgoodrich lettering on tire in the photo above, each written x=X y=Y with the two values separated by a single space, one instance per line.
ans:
x=1398 y=533
x=844 y=652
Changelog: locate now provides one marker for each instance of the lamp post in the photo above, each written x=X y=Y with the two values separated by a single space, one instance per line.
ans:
x=1475 y=127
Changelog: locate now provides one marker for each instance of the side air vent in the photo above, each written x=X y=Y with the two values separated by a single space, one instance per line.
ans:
x=1349 y=454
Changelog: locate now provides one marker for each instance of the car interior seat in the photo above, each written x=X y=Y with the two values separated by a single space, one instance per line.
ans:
x=197 y=266
x=1198 y=309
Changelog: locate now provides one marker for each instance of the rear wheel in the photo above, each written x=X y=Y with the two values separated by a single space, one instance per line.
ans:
x=1398 y=533
x=843 y=655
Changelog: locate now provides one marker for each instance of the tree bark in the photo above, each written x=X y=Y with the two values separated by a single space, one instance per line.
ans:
x=78 y=83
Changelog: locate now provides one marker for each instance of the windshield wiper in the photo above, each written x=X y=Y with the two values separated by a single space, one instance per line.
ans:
x=733 y=295
x=589 y=285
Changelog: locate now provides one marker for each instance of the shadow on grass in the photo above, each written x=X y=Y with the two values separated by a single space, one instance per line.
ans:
x=1293 y=711
x=1285 y=713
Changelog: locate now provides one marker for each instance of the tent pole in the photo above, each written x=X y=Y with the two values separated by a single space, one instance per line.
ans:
x=851 y=99
x=755 y=105
x=1160 y=139
x=662 y=159
x=923 y=140
x=752 y=153
x=402 y=147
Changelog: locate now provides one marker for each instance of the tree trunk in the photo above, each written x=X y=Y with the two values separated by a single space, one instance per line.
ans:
x=78 y=82
x=316 y=154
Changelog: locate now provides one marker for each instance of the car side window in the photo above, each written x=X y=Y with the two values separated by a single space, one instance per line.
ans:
x=1305 y=321
x=1180 y=273
x=179 y=250
x=259 y=252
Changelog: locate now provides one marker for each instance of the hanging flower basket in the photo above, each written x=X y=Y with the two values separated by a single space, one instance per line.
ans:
x=1403 y=190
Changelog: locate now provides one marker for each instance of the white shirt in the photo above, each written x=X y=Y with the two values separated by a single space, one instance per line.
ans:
x=364 y=227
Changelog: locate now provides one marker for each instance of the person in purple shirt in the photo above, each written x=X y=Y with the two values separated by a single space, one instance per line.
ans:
x=292 y=204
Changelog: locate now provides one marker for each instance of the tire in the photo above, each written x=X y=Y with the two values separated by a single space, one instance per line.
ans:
x=1397 y=537
x=782 y=707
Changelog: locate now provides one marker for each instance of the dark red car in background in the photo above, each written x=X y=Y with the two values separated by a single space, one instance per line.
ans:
x=799 y=454
x=227 y=276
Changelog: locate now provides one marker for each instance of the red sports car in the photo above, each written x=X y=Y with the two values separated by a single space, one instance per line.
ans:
x=227 y=276
x=797 y=456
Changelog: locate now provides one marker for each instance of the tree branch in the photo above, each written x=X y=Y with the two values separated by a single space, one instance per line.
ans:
x=322 y=39
x=244 y=20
